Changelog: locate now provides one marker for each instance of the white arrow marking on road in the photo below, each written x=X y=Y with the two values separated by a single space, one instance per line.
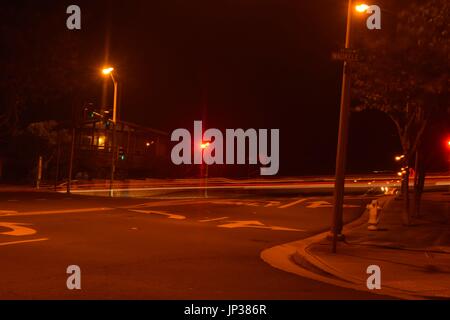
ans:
x=162 y=213
x=17 y=229
x=291 y=204
x=255 y=224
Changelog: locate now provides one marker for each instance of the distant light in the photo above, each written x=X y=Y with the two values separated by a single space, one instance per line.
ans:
x=101 y=141
x=148 y=144
x=107 y=70
x=448 y=144
x=204 y=145
x=398 y=158
x=362 y=8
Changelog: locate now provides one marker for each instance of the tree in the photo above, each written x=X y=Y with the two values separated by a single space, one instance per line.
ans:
x=405 y=75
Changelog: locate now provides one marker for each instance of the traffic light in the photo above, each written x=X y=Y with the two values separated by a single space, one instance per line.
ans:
x=89 y=113
x=121 y=154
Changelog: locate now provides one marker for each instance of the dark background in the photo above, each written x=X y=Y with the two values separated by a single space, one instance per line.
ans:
x=242 y=63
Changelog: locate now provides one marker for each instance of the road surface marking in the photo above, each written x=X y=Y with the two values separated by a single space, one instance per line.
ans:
x=212 y=220
x=24 y=241
x=272 y=204
x=7 y=211
x=164 y=203
x=200 y=201
x=162 y=213
x=319 y=204
x=351 y=206
x=291 y=204
x=18 y=229
x=36 y=213
x=325 y=204
x=234 y=202
x=255 y=224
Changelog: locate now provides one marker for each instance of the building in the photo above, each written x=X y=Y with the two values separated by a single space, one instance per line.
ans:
x=141 y=152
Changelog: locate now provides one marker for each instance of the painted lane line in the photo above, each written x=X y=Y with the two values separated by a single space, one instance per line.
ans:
x=36 y=213
x=162 y=213
x=212 y=220
x=18 y=229
x=234 y=202
x=319 y=204
x=272 y=204
x=20 y=242
x=7 y=211
x=326 y=204
x=164 y=203
x=255 y=224
x=291 y=204
x=351 y=206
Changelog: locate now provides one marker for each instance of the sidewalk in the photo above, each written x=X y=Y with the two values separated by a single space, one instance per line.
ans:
x=414 y=260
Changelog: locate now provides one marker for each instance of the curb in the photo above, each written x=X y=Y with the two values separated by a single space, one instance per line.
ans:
x=295 y=258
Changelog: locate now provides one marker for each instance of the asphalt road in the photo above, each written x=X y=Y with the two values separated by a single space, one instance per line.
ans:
x=168 y=248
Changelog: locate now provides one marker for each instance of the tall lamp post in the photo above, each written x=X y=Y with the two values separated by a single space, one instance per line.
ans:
x=109 y=71
x=343 y=133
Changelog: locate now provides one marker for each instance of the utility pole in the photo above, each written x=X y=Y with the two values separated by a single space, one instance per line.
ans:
x=342 y=140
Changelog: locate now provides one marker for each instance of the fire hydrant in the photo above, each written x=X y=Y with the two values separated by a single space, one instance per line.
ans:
x=374 y=215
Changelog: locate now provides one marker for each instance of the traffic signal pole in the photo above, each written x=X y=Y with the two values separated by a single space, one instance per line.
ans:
x=339 y=187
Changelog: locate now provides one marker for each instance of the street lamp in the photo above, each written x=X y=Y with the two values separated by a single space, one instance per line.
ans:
x=343 y=135
x=361 y=8
x=109 y=71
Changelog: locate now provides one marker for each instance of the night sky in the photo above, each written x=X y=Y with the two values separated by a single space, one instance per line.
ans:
x=234 y=64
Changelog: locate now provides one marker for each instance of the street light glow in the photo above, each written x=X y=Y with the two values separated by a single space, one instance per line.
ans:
x=108 y=70
x=362 y=8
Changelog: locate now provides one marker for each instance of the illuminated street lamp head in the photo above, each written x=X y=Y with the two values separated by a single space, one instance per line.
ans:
x=204 y=145
x=362 y=8
x=107 y=71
